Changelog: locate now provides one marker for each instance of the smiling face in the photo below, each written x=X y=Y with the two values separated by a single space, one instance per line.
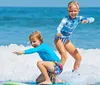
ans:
x=73 y=10
x=35 y=41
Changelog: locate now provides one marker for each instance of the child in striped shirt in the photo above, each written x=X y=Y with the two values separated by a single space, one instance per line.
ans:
x=65 y=30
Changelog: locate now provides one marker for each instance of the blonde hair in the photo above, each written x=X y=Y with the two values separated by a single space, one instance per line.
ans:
x=73 y=3
x=36 y=34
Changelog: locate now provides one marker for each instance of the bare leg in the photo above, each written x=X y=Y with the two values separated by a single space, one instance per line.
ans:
x=44 y=66
x=40 y=78
x=74 y=53
x=61 y=49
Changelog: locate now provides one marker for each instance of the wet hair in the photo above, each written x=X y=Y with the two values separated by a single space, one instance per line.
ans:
x=73 y=3
x=36 y=34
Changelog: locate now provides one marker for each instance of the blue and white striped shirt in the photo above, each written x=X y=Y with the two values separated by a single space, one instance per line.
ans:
x=67 y=25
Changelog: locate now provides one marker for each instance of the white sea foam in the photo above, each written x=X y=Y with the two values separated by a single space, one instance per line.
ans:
x=23 y=67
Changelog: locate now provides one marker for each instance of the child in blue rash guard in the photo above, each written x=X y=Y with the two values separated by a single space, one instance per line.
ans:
x=51 y=63
x=65 y=30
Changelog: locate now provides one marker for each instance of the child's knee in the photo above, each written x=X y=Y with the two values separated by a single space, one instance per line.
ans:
x=79 y=60
x=39 y=63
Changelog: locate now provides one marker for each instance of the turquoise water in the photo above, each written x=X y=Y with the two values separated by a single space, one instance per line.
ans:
x=16 y=23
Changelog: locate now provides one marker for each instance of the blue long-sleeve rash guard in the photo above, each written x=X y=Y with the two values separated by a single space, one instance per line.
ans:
x=44 y=51
x=67 y=25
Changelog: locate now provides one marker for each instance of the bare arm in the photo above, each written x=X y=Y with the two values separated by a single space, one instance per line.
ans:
x=84 y=21
x=18 y=53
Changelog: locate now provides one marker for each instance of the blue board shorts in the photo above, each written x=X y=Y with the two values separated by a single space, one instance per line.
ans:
x=58 y=68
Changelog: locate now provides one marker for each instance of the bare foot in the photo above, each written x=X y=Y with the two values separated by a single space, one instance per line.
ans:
x=59 y=81
x=45 y=82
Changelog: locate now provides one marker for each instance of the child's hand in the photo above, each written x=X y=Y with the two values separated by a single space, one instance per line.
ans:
x=58 y=34
x=84 y=21
x=18 y=53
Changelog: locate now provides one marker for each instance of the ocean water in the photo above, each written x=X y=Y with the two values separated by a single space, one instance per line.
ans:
x=16 y=24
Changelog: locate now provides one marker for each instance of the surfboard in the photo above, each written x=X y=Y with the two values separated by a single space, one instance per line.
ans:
x=32 y=83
